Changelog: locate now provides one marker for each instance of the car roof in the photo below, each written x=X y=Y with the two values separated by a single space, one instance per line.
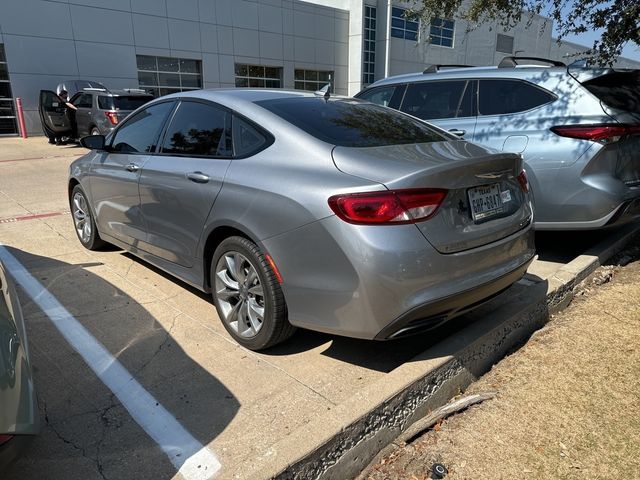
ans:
x=523 y=71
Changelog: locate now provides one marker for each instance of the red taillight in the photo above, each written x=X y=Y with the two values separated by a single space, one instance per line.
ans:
x=112 y=116
x=597 y=133
x=523 y=181
x=5 y=438
x=388 y=207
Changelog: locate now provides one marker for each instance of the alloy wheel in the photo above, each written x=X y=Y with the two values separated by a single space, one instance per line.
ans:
x=82 y=217
x=240 y=294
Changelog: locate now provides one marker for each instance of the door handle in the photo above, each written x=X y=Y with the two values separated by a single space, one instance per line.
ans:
x=198 y=177
x=457 y=132
x=132 y=167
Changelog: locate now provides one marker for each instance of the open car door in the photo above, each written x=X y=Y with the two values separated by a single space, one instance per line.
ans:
x=54 y=115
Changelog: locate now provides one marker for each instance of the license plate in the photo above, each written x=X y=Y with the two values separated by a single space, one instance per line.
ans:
x=485 y=201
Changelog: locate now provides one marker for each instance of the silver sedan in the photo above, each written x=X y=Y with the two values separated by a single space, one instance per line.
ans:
x=303 y=210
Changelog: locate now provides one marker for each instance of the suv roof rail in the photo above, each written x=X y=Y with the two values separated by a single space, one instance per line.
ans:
x=134 y=90
x=436 y=67
x=512 y=61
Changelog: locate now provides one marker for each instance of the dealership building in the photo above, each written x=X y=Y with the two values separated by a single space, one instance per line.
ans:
x=166 y=46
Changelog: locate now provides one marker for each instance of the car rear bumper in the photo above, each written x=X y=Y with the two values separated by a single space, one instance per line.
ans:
x=365 y=281
x=429 y=316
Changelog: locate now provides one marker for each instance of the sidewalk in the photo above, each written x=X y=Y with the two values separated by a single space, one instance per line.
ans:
x=567 y=405
x=17 y=149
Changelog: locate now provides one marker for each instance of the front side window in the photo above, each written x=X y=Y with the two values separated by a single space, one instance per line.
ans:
x=312 y=80
x=379 y=96
x=403 y=25
x=441 y=32
x=199 y=129
x=351 y=122
x=498 y=97
x=428 y=100
x=164 y=75
x=139 y=133
x=258 y=76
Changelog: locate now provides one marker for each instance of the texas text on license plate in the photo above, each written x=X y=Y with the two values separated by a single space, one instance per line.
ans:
x=485 y=201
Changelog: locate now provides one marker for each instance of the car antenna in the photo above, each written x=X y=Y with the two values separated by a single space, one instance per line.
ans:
x=324 y=92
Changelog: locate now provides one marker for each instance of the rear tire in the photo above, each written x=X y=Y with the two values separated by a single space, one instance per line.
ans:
x=83 y=221
x=247 y=295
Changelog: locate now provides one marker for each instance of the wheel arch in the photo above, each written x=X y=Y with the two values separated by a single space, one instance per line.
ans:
x=215 y=238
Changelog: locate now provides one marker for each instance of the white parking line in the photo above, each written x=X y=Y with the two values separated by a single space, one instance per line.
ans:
x=190 y=457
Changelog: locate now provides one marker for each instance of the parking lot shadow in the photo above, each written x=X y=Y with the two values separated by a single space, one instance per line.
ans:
x=87 y=433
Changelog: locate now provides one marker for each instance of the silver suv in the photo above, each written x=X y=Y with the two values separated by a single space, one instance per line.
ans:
x=99 y=110
x=577 y=128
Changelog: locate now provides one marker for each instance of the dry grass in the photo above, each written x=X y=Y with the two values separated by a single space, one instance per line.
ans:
x=568 y=404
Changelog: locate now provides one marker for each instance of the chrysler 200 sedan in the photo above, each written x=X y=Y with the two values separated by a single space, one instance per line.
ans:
x=303 y=210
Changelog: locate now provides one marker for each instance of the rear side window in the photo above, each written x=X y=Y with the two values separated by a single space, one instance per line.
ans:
x=83 y=100
x=199 y=129
x=498 y=97
x=123 y=102
x=619 y=90
x=140 y=132
x=247 y=139
x=429 y=100
x=351 y=122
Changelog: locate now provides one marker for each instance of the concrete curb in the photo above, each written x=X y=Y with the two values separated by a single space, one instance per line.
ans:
x=339 y=443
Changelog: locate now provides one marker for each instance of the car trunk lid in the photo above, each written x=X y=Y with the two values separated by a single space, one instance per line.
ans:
x=484 y=200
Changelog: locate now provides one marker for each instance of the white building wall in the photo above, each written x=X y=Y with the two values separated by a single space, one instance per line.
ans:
x=47 y=42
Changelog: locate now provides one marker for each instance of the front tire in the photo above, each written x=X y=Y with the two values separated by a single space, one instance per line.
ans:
x=83 y=221
x=247 y=295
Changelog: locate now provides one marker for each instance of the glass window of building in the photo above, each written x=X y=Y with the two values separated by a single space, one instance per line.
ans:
x=369 y=46
x=441 y=32
x=8 y=124
x=163 y=75
x=312 y=80
x=258 y=76
x=504 y=43
x=403 y=27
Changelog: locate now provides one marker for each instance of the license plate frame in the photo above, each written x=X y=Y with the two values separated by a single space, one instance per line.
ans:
x=485 y=202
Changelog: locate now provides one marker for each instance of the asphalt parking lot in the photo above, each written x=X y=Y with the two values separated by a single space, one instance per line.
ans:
x=217 y=402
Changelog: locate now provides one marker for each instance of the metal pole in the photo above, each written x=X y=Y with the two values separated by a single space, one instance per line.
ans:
x=23 y=128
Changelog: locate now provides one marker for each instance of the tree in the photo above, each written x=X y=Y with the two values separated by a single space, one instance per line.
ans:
x=619 y=19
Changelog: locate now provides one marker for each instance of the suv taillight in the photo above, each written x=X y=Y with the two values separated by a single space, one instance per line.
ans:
x=388 y=207
x=112 y=116
x=602 y=132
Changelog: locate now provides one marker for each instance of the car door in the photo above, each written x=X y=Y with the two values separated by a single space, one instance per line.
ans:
x=53 y=115
x=83 y=102
x=178 y=186
x=116 y=171
x=449 y=104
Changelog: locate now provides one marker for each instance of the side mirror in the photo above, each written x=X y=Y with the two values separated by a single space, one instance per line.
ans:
x=93 y=142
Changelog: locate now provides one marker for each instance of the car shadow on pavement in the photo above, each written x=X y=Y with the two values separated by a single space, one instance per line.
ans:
x=86 y=432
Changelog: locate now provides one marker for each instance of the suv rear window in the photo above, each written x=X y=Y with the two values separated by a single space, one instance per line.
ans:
x=122 y=102
x=351 y=122
x=498 y=97
x=619 y=90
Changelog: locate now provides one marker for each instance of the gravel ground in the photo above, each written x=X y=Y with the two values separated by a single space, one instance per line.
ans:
x=567 y=404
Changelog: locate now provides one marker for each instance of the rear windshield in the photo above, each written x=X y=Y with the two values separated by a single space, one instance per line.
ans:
x=122 y=102
x=351 y=122
x=619 y=90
